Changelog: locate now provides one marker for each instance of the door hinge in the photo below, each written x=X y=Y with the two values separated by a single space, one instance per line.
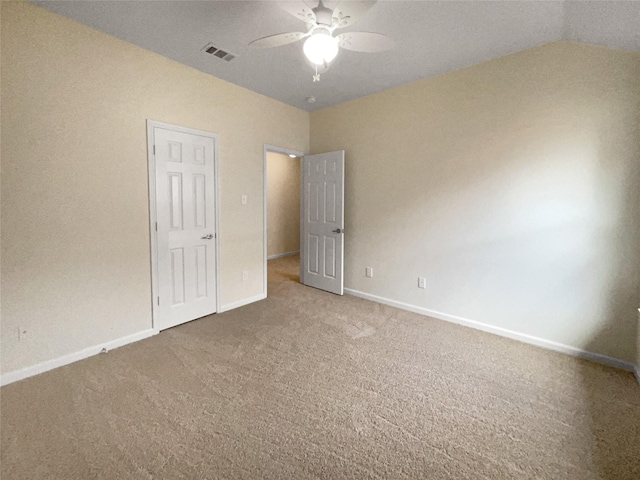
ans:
x=158 y=300
x=154 y=149
x=156 y=226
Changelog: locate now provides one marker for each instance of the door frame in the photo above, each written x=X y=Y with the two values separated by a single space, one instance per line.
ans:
x=153 y=217
x=274 y=149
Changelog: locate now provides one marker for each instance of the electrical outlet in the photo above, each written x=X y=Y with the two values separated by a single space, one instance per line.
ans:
x=245 y=275
x=22 y=333
x=369 y=272
x=422 y=282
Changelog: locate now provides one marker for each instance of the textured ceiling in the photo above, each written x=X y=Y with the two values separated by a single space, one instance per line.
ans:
x=430 y=38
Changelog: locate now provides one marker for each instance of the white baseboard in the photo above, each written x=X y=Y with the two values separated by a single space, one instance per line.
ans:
x=637 y=368
x=503 y=332
x=42 y=367
x=285 y=254
x=242 y=303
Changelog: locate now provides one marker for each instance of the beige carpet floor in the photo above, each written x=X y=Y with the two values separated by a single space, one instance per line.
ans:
x=306 y=384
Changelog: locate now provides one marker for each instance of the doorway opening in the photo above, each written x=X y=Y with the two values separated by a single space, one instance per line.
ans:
x=282 y=208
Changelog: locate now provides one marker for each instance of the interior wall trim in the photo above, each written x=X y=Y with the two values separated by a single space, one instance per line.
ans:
x=637 y=367
x=504 y=332
x=243 y=302
x=45 y=366
x=285 y=254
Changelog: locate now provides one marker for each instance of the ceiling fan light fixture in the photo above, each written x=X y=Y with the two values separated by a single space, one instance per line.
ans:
x=320 y=47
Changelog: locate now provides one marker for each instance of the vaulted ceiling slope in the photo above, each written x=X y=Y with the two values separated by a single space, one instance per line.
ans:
x=431 y=37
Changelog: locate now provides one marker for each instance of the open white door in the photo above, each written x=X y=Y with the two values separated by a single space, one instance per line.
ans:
x=322 y=222
x=185 y=230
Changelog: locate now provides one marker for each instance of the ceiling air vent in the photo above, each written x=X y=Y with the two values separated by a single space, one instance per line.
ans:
x=218 y=52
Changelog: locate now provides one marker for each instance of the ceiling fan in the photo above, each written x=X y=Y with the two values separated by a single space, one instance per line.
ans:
x=321 y=47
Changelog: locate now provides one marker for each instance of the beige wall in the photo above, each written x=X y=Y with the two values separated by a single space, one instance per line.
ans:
x=512 y=186
x=283 y=204
x=75 y=241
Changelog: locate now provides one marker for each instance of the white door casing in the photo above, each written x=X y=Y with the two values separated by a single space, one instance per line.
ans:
x=322 y=240
x=183 y=200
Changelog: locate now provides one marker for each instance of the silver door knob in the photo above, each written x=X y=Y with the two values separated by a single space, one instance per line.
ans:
x=207 y=237
x=338 y=230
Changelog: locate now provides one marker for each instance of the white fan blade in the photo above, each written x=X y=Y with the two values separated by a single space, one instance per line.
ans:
x=277 y=40
x=364 y=42
x=300 y=10
x=347 y=11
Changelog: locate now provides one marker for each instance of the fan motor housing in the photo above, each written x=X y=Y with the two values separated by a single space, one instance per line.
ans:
x=323 y=15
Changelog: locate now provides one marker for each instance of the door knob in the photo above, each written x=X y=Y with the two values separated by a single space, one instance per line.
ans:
x=207 y=237
x=338 y=230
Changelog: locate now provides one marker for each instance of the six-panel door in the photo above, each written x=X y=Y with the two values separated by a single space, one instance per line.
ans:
x=322 y=221
x=185 y=209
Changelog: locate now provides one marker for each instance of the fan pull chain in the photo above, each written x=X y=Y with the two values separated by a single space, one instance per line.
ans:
x=316 y=77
